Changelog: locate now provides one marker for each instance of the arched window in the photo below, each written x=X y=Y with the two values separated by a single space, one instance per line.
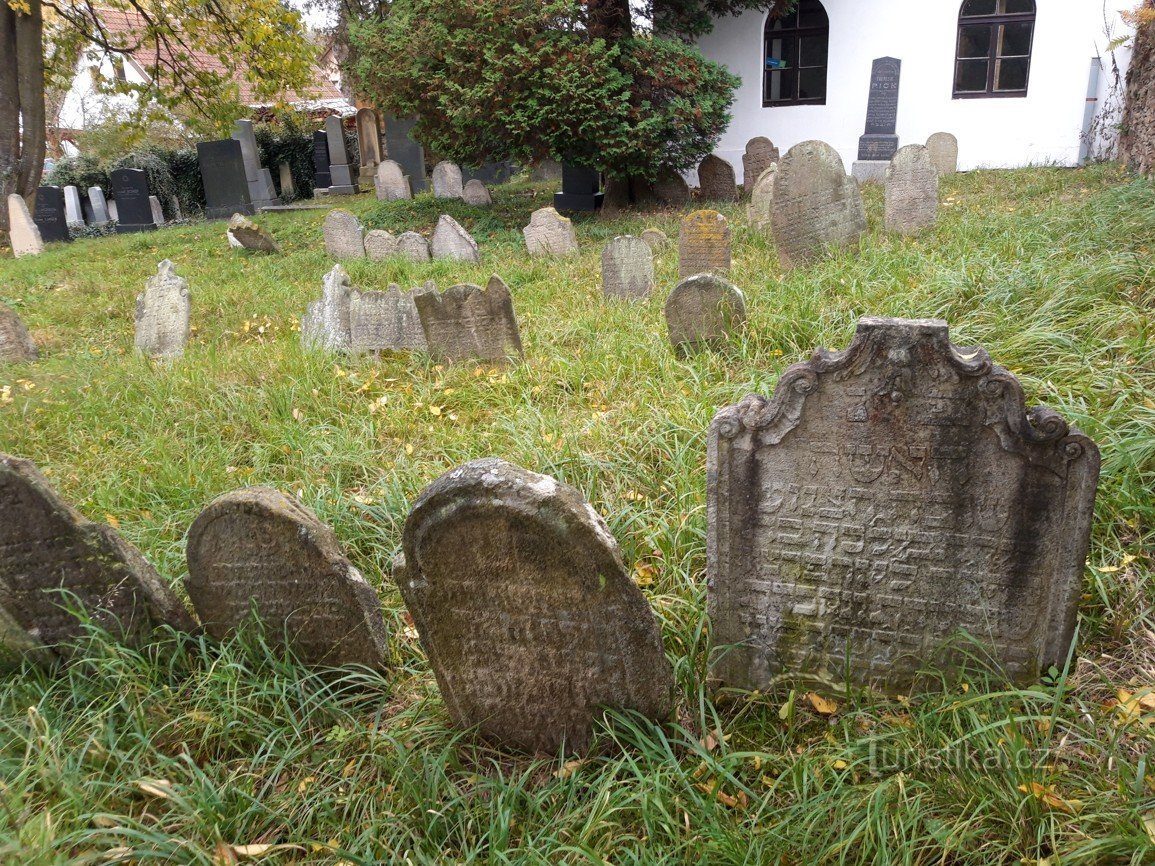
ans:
x=993 y=57
x=795 y=56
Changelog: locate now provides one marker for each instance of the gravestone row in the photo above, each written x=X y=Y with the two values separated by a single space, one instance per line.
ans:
x=346 y=238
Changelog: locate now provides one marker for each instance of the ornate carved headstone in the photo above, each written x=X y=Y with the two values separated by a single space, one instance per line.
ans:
x=258 y=551
x=344 y=235
x=702 y=312
x=226 y=185
x=627 y=268
x=816 y=204
x=451 y=241
x=51 y=214
x=162 y=314
x=656 y=238
x=412 y=246
x=760 y=155
x=251 y=236
x=16 y=345
x=391 y=183
x=550 y=234
x=476 y=194
x=386 y=321
x=762 y=199
x=671 y=189
x=468 y=322
x=716 y=180
x=526 y=612
x=447 y=181
x=703 y=243
x=325 y=324
x=23 y=233
x=52 y=559
x=943 y=149
x=887 y=498
x=380 y=245
x=911 y=190
x=133 y=208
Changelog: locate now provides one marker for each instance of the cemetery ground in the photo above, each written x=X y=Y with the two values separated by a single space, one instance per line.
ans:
x=192 y=752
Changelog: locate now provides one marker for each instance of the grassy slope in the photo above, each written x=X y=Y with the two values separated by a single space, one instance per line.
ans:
x=1050 y=270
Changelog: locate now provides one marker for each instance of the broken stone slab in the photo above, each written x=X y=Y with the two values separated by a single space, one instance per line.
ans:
x=451 y=241
x=16 y=345
x=325 y=325
x=344 y=235
x=388 y=320
x=250 y=236
x=469 y=323
x=550 y=234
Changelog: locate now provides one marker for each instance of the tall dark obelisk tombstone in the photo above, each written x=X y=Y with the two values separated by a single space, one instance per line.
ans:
x=322 y=180
x=879 y=142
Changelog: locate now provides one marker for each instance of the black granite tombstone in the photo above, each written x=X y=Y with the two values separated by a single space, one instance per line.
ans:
x=321 y=177
x=49 y=215
x=402 y=148
x=579 y=189
x=130 y=191
x=880 y=142
x=223 y=175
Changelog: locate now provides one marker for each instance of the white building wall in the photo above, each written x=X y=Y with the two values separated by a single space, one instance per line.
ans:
x=1040 y=128
x=83 y=106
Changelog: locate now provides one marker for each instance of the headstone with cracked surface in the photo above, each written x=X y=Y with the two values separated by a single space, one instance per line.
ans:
x=943 y=147
x=477 y=194
x=451 y=241
x=702 y=312
x=526 y=612
x=627 y=268
x=53 y=559
x=716 y=180
x=16 y=345
x=251 y=236
x=412 y=246
x=325 y=325
x=911 y=190
x=816 y=204
x=23 y=233
x=887 y=499
x=703 y=243
x=344 y=235
x=380 y=245
x=762 y=199
x=391 y=183
x=760 y=155
x=469 y=323
x=550 y=234
x=258 y=551
x=447 y=181
x=162 y=314
x=380 y=321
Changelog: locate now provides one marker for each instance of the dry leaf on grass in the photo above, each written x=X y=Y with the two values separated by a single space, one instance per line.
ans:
x=822 y=706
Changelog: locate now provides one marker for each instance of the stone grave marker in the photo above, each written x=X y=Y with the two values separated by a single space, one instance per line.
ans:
x=887 y=498
x=656 y=238
x=100 y=216
x=447 y=181
x=387 y=320
x=760 y=155
x=322 y=180
x=526 y=612
x=390 y=183
x=73 y=212
x=943 y=149
x=401 y=146
x=550 y=234
x=816 y=204
x=16 y=345
x=251 y=236
x=451 y=241
x=340 y=171
x=23 y=233
x=671 y=189
x=259 y=551
x=412 y=246
x=325 y=325
x=260 y=180
x=113 y=214
x=702 y=312
x=703 y=243
x=52 y=558
x=716 y=180
x=911 y=190
x=288 y=188
x=156 y=209
x=627 y=268
x=368 y=142
x=580 y=189
x=476 y=194
x=222 y=167
x=762 y=199
x=50 y=214
x=380 y=245
x=879 y=143
x=469 y=323
x=162 y=314
x=344 y=235
x=134 y=211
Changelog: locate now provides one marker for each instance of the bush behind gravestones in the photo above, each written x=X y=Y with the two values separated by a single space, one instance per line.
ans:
x=79 y=171
x=288 y=142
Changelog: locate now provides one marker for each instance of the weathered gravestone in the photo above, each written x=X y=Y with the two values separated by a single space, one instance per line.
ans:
x=258 y=551
x=134 y=211
x=251 y=236
x=222 y=167
x=703 y=243
x=387 y=320
x=322 y=179
x=344 y=235
x=50 y=214
x=368 y=142
x=943 y=149
x=760 y=155
x=340 y=170
x=550 y=234
x=656 y=239
x=390 y=183
x=100 y=216
x=476 y=194
x=23 y=233
x=525 y=610
x=285 y=179
x=412 y=246
x=401 y=146
x=469 y=323
x=762 y=199
x=53 y=561
x=627 y=268
x=716 y=180
x=671 y=189
x=325 y=324
x=702 y=312
x=73 y=212
x=878 y=144
x=16 y=345
x=162 y=314
x=260 y=180
x=451 y=241
x=380 y=245
x=911 y=190
x=887 y=498
x=156 y=210
x=816 y=204
x=447 y=180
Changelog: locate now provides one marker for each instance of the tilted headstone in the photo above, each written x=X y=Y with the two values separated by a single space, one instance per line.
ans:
x=702 y=312
x=50 y=214
x=703 y=243
x=476 y=194
x=16 y=345
x=412 y=246
x=627 y=268
x=888 y=498
x=288 y=188
x=550 y=234
x=261 y=191
x=879 y=143
x=251 y=236
x=451 y=241
x=134 y=211
x=762 y=199
x=390 y=183
x=943 y=149
x=222 y=167
x=671 y=189
x=325 y=325
x=156 y=210
x=322 y=180
x=402 y=147
x=100 y=215
x=447 y=181
x=525 y=609
x=656 y=238
x=162 y=314
x=469 y=323
x=258 y=551
x=716 y=180
x=53 y=561
x=344 y=235
x=816 y=204
x=387 y=320
x=23 y=233
x=73 y=213
x=341 y=173
x=368 y=142
x=911 y=190
x=380 y=245
x=760 y=155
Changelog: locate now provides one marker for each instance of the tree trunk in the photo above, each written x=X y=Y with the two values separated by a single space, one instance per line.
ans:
x=21 y=103
x=1137 y=130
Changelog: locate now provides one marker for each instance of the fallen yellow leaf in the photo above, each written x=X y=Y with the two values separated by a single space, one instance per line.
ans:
x=823 y=706
x=569 y=768
x=112 y=521
x=1046 y=794
x=160 y=788
x=253 y=852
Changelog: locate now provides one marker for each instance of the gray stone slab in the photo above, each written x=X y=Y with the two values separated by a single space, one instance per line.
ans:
x=368 y=138
x=16 y=345
x=261 y=191
x=716 y=180
x=100 y=215
x=869 y=170
x=469 y=323
x=380 y=321
x=73 y=213
x=223 y=176
x=911 y=191
x=344 y=235
x=390 y=183
x=627 y=268
x=447 y=182
x=162 y=314
x=23 y=233
x=476 y=194
x=760 y=154
x=943 y=149
x=762 y=199
x=550 y=234
x=156 y=209
x=251 y=236
x=702 y=312
x=325 y=325
x=412 y=246
x=380 y=245
x=703 y=243
x=451 y=241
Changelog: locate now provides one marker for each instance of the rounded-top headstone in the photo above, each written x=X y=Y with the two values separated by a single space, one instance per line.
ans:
x=550 y=234
x=943 y=147
x=258 y=551
x=162 y=313
x=452 y=241
x=344 y=235
x=522 y=603
x=16 y=345
x=447 y=180
x=412 y=246
x=379 y=245
x=702 y=312
x=391 y=183
x=911 y=190
x=477 y=194
x=760 y=154
x=716 y=180
x=627 y=268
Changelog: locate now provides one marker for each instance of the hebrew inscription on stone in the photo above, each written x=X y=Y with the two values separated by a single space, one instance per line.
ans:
x=887 y=498
x=703 y=243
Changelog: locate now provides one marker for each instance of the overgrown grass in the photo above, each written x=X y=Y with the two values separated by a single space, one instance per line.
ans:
x=1049 y=269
